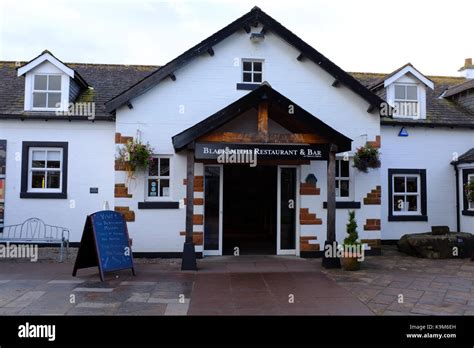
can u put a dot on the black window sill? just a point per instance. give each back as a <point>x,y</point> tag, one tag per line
<point>468,212</point>
<point>407,218</point>
<point>344,205</point>
<point>158,205</point>
<point>247,86</point>
<point>59,195</point>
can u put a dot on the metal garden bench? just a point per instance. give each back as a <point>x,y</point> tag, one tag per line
<point>34,230</point>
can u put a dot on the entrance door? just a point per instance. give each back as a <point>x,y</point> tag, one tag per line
<point>213,190</point>
<point>3,166</point>
<point>287,210</point>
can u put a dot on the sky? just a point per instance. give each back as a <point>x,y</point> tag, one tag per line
<point>360,35</point>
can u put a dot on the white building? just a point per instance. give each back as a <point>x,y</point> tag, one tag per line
<point>252,85</point>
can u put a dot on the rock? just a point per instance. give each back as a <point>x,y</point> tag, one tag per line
<point>431,246</point>
<point>439,230</point>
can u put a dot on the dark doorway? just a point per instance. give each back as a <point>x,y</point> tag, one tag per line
<point>250,209</point>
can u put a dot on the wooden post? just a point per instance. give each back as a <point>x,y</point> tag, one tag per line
<point>263,118</point>
<point>331,262</point>
<point>188,262</point>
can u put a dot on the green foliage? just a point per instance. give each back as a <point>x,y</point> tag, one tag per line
<point>351,227</point>
<point>469,191</point>
<point>367,157</point>
<point>135,156</point>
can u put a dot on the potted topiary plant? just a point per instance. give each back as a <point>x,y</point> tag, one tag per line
<point>352,248</point>
<point>367,157</point>
<point>135,156</point>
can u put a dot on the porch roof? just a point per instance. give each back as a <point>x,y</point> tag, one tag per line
<point>300,118</point>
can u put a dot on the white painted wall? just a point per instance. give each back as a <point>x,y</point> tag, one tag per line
<point>425,148</point>
<point>207,85</point>
<point>90,164</point>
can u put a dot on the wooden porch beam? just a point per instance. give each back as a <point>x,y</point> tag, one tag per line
<point>188,262</point>
<point>332,261</point>
<point>231,137</point>
<point>263,118</point>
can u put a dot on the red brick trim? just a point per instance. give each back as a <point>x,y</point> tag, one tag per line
<point>127,213</point>
<point>309,189</point>
<point>198,237</point>
<point>119,139</point>
<point>198,219</point>
<point>374,197</point>
<point>307,218</point>
<point>196,201</point>
<point>121,191</point>
<point>377,143</point>
<point>305,246</point>
<point>372,225</point>
<point>198,183</point>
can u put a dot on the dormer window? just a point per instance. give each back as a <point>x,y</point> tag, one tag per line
<point>406,100</point>
<point>46,91</point>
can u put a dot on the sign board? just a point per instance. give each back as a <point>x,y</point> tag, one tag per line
<point>105,244</point>
<point>215,151</point>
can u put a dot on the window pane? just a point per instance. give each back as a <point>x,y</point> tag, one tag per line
<point>398,203</point>
<point>164,167</point>
<point>164,188</point>
<point>153,167</point>
<point>152,187</point>
<point>257,77</point>
<point>344,188</point>
<point>247,77</point>
<point>412,184</point>
<point>39,100</point>
<point>345,169</point>
<point>54,160</point>
<point>247,66</point>
<point>338,164</point>
<point>400,92</point>
<point>412,93</point>
<point>53,179</point>
<point>54,99</point>
<point>38,159</point>
<point>38,179</point>
<point>54,83</point>
<point>399,184</point>
<point>40,82</point>
<point>257,66</point>
<point>411,203</point>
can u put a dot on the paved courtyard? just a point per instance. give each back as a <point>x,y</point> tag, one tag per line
<point>247,285</point>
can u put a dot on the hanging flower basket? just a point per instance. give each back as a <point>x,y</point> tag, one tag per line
<point>367,157</point>
<point>469,191</point>
<point>135,156</point>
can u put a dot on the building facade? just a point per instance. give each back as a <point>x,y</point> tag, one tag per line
<point>252,86</point>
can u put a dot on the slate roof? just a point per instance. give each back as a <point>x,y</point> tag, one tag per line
<point>464,86</point>
<point>439,111</point>
<point>106,79</point>
<point>467,157</point>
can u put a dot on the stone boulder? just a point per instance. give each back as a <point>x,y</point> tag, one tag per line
<point>437,246</point>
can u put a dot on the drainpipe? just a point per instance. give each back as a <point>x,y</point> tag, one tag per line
<point>458,218</point>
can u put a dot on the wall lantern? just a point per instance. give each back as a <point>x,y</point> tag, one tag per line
<point>257,37</point>
<point>311,179</point>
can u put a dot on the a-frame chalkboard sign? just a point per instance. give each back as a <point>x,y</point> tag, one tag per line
<point>105,244</point>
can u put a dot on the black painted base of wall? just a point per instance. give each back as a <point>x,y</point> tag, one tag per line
<point>162,255</point>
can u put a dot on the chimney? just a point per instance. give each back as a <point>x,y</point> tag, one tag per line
<point>467,70</point>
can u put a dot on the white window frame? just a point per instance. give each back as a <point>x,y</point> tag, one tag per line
<point>47,91</point>
<point>252,71</point>
<point>160,177</point>
<point>350,178</point>
<point>31,169</point>
<point>470,205</point>
<point>405,193</point>
<point>401,101</point>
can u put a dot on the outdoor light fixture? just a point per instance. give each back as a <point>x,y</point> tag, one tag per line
<point>311,179</point>
<point>257,37</point>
